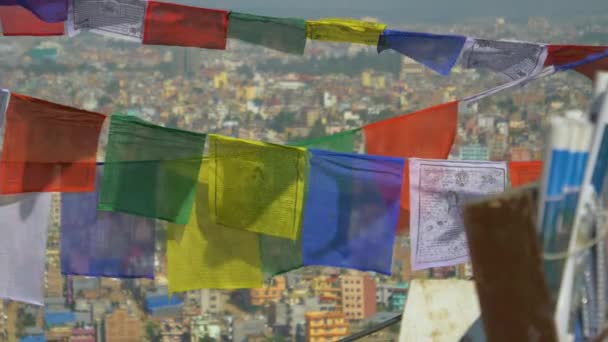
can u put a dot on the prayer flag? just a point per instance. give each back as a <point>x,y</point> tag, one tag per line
<point>428,133</point>
<point>439,191</point>
<point>436,51</point>
<point>24,220</point>
<point>559,55</point>
<point>150,170</point>
<point>104,244</point>
<point>179,25</point>
<point>344,30</point>
<point>50,11</point>
<point>281,34</point>
<point>204,255</point>
<point>18,21</point>
<point>352,209</point>
<point>48,147</point>
<point>339,142</point>
<point>525,172</point>
<point>264,181</point>
<point>512,59</point>
<point>279,255</point>
<point>122,19</point>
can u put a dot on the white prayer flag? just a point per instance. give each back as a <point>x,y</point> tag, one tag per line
<point>115,18</point>
<point>439,189</point>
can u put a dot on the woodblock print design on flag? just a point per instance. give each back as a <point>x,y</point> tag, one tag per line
<point>339,142</point>
<point>525,172</point>
<point>427,133</point>
<point>104,244</point>
<point>116,18</point>
<point>264,181</point>
<point>565,54</point>
<point>204,255</point>
<point>344,30</point>
<point>24,220</point>
<point>49,11</point>
<point>282,34</point>
<point>178,25</point>
<point>437,52</point>
<point>512,59</point>
<point>150,170</point>
<point>439,190</point>
<point>48,147</point>
<point>352,211</point>
<point>18,21</point>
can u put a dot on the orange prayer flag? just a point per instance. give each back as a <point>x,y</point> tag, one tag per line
<point>18,21</point>
<point>48,147</point>
<point>173,24</point>
<point>564,54</point>
<point>525,172</point>
<point>428,133</point>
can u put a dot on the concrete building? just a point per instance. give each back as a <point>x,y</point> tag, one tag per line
<point>473,152</point>
<point>212,302</point>
<point>325,326</point>
<point>358,296</point>
<point>271,293</point>
<point>122,326</point>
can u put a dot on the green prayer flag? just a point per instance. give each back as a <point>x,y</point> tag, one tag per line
<point>282,34</point>
<point>150,170</point>
<point>279,255</point>
<point>339,142</point>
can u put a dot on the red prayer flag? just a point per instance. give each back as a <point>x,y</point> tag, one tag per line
<point>48,147</point>
<point>525,172</point>
<point>564,54</point>
<point>172,24</point>
<point>428,133</point>
<point>18,21</point>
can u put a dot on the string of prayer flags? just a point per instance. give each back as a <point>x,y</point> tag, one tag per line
<point>48,147</point>
<point>511,59</point>
<point>345,30</point>
<point>150,170</point>
<point>436,51</point>
<point>279,255</point>
<point>439,190</point>
<point>50,11</point>
<point>565,54</point>
<point>264,181</point>
<point>24,220</point>
<point>339,142</point>
<point>118,18</point>
<point>104,244</point>
<point>204,255</point>
<point>525,172</point>
<point>428,133</point>
<point>352,210</point>
<point>179,25</point>
<point>282,34</point>
<point>18,21</point>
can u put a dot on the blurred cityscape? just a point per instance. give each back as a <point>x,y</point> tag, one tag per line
<point>256,93</point>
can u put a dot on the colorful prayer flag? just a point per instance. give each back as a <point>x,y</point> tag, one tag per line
<point>338,142</point>
<point>559,55</point>
<point>264,181</point>
<point>24,220</point>
<point>179,25</point>
<point>150,170</point>
<point>279,255</point>
<point>204,255</point>
<point>48,147</point>
<point>18,21</point>
<point>525,172</point>
<point>436,51</point>
<point>344,30</point>
<point>281,34</point>
<point>104,244</point>
<point>122,19</point>
<point>352,209</point>
<point>427,133</point>
<point>50,11</point>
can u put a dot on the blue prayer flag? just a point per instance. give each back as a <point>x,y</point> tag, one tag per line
<point>436,51</point>
<point>99,243</point>
<point>352,210</point>
<point>50,11</point>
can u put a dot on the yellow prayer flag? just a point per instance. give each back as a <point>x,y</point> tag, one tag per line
<point>203,255</point>
<point>256,186</point>
<point>344,30</point>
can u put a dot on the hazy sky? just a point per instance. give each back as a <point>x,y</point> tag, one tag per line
<point>414,10</point>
